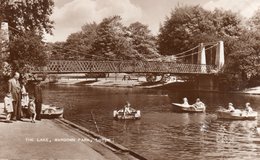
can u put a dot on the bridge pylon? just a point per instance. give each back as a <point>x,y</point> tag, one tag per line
<point>219,55</point>
<point>220,58</point>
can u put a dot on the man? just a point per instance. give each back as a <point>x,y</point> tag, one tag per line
<point>38,99</point>
<point>14,88</point>
<point>198,103</point>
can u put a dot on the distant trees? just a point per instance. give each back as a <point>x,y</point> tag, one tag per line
<point>143,42</point>
<point>188,26</point>
<point>110,40</point>
<point>79,45</point>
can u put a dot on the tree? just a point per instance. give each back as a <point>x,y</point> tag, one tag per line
<point>79,45</point>
<point>112,39</point>
<point>28,20</point>
<point>28,50</point>
<point>190,25</point>
<point>143,42</point>
<point>56,50</point>
<point>28,15</point>
<point>254,22</point>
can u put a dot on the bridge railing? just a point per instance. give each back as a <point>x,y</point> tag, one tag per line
<point>60,66</point>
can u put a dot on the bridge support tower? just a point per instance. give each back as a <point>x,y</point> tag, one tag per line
<point>210,82</point>
<point>219,56</point>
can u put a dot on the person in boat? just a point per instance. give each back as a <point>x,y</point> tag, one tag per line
<point>185,101</point>
<point>198,103</point>
<point>248,107</point>
<point>230,107</point>
<point>128,109</point>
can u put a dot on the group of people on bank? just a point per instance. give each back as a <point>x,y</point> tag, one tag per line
<point>18,103</point>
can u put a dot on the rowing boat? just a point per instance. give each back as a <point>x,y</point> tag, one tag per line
<point>188,108</point>
<point>118,115</point>
<point>236,115</point>
<point>51,111</point>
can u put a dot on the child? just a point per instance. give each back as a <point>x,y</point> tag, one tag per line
<point>8,104</point>
<point>31,109</point>
<point>25,103</point>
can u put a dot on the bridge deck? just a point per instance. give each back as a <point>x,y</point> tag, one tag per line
<point>55,66</point>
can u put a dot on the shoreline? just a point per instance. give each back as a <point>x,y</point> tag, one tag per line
<point>112,82</point>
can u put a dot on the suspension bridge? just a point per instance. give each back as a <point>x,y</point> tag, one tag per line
<point>205,58</point>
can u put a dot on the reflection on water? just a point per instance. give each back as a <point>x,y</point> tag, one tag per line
<point>161,133</point>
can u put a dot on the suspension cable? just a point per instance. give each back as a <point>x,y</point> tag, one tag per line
<point>179,57</point>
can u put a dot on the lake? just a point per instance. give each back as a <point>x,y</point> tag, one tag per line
<point>162,133</point>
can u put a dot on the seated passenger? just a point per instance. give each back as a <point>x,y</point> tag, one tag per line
<point>127,108</point>
<point>198,103</point>
<point>248,107</point>
<point>185,101</point>
<point>230,107</point>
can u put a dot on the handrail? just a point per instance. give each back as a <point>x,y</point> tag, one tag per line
<point>68,66</point>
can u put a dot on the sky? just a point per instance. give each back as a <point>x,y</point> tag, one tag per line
<point>70,15</point>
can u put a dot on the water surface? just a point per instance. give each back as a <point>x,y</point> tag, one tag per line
<point>162,133</point>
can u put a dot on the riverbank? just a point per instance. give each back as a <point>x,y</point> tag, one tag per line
<point>253,90</point>
<point>115,80</point>
<point>119,80</point>
<point>57,139</point>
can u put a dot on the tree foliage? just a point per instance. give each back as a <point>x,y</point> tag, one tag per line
<point>28,15</point>
<point>28,49</point>
<point>190,25</point>
<point>143,42</point>
<point>110,40</point>
<point>28,21</point>
<point>79,45</point>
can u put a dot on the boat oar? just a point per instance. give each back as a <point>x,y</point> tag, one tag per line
<point>92,115</point>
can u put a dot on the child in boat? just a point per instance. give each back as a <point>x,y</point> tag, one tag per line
<point>8,104</point>
<point>128,109</point>
<point>230,107</point>
<point>31,109</point>
<point>248,107</point>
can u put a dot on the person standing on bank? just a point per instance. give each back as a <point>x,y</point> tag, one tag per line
<point>38,99</point>
<point>14,88</point>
